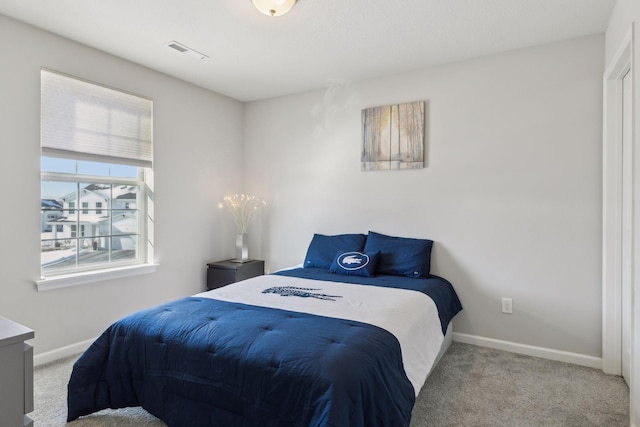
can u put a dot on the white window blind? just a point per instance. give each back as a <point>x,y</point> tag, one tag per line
<point>85,121</point>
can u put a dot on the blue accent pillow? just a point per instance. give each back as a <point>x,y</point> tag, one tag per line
<point>400,256</point>
<point>355,263</point>
<point>322,249</point>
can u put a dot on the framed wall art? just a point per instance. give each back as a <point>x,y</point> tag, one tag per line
<point>393,137</point>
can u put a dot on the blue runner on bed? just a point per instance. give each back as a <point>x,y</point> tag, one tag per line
<point>204,362</point>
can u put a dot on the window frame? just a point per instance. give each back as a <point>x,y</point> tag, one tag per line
<point>118,143</point>
<point>143,216</point>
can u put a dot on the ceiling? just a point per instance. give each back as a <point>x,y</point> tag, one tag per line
<point>318,44</point>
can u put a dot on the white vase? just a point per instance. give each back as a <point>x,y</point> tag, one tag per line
<point>242,250</point>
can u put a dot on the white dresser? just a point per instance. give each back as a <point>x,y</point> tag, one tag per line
<point>16,374</point>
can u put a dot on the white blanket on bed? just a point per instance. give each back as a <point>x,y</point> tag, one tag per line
<point>411,316</point>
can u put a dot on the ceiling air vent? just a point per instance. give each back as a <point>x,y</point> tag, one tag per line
<point>184,49</point>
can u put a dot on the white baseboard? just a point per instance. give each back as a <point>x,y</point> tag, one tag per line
<point>530,350</point>
<point>61,353</point>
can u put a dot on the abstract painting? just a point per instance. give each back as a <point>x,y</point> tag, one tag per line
<point>393,137</point>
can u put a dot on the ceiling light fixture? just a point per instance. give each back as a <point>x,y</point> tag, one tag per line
<point>274,7</point>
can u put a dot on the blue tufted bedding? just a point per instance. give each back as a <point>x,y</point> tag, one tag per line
<point>227,358</point>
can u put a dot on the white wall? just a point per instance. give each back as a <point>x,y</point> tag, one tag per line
<point>198,159</point>
<point>626,13</point>
<point>511,193</point>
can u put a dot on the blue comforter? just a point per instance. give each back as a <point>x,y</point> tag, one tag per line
<point>204,362</point>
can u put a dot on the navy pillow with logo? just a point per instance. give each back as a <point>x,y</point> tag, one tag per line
<point>355,263</point>
<point>401,256</point>
<point>322,249</point>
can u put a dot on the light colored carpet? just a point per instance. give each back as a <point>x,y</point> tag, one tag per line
<point>471,386</point>
<point>479,386</point>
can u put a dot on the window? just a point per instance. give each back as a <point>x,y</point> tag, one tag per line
<point>96,152</point>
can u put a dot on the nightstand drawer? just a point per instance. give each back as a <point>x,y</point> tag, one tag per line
<point>222,273</point>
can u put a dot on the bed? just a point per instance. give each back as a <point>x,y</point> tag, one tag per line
<point>308,346</point>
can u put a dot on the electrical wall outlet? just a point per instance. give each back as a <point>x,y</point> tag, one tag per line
<point>507,305</point>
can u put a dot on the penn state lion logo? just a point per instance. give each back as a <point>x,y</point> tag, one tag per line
<point>353,260</point>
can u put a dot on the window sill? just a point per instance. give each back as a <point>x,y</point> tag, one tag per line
<point>64,281</point>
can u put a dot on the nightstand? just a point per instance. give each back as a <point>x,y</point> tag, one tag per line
<point>221,273</point>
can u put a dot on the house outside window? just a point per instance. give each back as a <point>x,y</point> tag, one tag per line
<point>94,161</point>
<point>51,210</point>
